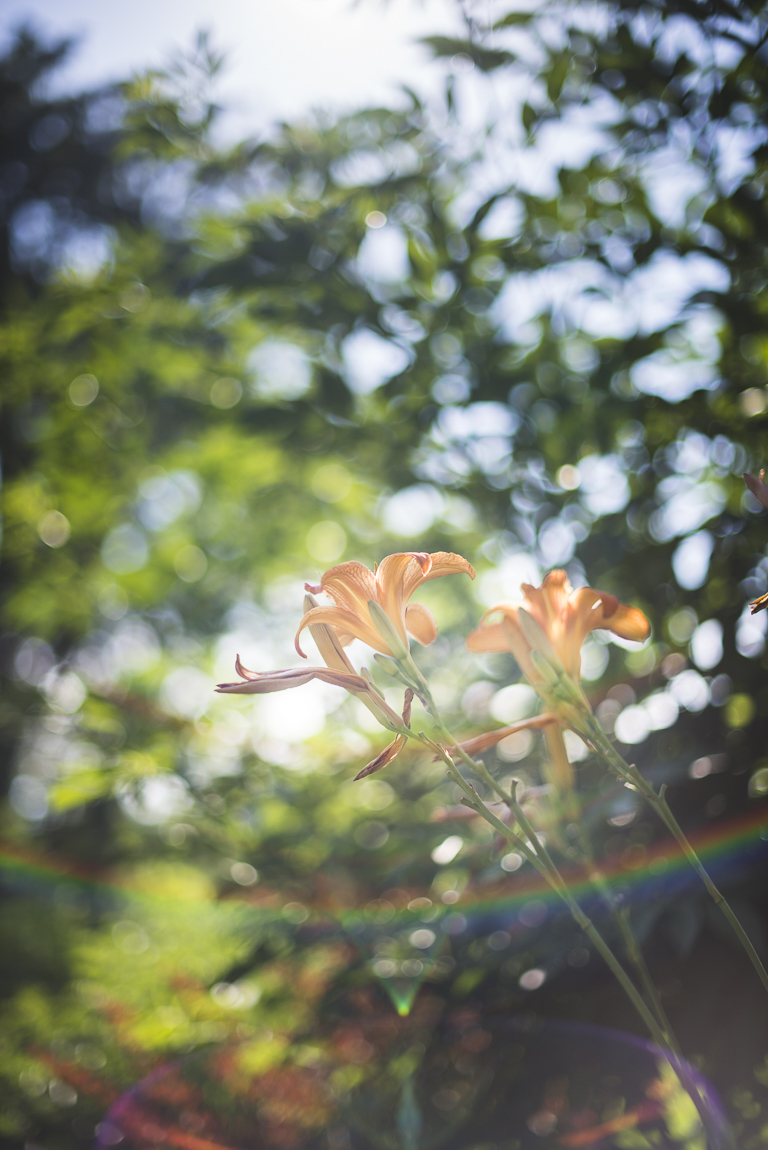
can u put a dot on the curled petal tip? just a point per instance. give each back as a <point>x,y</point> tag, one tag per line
<point>313,588</point>
<point>242,671</point>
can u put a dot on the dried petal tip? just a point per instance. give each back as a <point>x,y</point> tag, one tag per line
<point>382,759</point>
<point>243,672</point>
<point>758,487</point>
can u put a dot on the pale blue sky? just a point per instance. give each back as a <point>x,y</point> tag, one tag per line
<point>284,56</point>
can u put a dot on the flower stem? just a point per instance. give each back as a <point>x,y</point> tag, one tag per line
<point>632,776</point>
<point>620,915</point>
<point>538,855</point>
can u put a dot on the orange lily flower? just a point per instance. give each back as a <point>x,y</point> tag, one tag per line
<point>338,671</point>
<point>374,605</point>
<point>554,620</point>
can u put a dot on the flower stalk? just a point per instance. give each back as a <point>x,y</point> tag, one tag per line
<point>631,777</point>
<point>533,849</point>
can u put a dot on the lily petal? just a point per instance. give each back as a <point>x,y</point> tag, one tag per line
<point>381,760</point>
<point>518,645</point>
<point>627,622</point>
<point>491,738</point>
<point>360,626</point>
<point>488,636</point>
<point>350,585</point>
<point>446,563</point>
<point>554,620</point>
<point>327,640</point>
<point>269,681</point>
<point>397,578</point>
<point>420,624</point>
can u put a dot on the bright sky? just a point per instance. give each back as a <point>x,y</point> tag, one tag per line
<point>284,56</point>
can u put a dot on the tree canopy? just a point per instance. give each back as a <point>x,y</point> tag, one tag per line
<point>525,323</point>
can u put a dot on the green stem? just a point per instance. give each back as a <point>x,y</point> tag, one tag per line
<point>564,781</point>
<point>538,855</point>
<point>632,776</point>
<point>620,916</point>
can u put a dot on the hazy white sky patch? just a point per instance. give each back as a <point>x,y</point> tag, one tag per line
<point>283,59</point>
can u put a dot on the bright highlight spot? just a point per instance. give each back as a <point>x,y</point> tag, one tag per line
<point>422,938</point>
<point>53,529</point>
<point>243,873</point>
<point>707,644</point>
<point>568,477</point>
<point>326,541</point>
<point>375,220</point>
<point>124,550</point>
<point>226,392</point>
<point>532,979</point>
<point>511,704</point>
<point>83,390</point>
<point>190,564</point>
<point>447,850</point>
<point>331,483</point>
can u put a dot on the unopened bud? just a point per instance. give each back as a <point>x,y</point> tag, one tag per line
<point>386,629</point>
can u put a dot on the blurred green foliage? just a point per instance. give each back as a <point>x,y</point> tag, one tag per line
<point>224,369</point>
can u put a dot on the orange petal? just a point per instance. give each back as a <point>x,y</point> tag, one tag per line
<point>397,577</point>
<point>490,738</point>
<point>350,585</point>
<point>345,621</point>
<point>420,623</point>
<point>488,637</point>
<point>628,622</point>
<point>583,613</point>
<point>329,643</point>
<point>447,563</point>
<point>381,760</point>
<point>549,602</point>
<point>520,647</point>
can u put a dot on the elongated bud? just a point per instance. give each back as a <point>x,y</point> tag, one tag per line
<point>387,664</point>
<point>386,629</point>
<point>549,673</point>
<point>366,674</point>
<point>536,637</point>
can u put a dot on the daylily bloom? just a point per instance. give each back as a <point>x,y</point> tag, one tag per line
<point>554,620</point>
<point>374,605</point>
<point>338,671</point>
